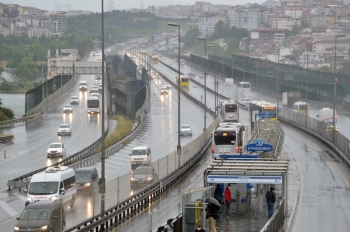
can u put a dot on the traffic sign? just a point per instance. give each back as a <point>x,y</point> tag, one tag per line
<point>266,114</point>
<point>244,179</point>
<point>259,145</point>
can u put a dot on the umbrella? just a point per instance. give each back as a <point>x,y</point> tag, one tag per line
<point>212,201</point>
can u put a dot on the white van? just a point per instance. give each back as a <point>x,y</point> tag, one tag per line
<point>140,155</point>
<point>326,115</point>
<point>83,86</point>
<point>52,184</point>
<point>229,81</point>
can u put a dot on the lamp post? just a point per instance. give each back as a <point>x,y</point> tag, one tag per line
<point>278,80</point>
<point>335,81</point>
<point>178,91</point>
<point>307,82</point>
<point>205,80</point>
<point>215,79</point>
<point>103,155</point>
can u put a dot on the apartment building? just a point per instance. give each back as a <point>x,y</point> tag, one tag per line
<point>294,12</point>
<point>267,34</point>
<point>285,22</point>
<point>248,19</point>
<point>207,23</point>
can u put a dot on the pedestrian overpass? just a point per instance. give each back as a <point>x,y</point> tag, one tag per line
<point>63,66</point>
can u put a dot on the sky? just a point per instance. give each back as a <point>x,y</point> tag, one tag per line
<point>95,5</point>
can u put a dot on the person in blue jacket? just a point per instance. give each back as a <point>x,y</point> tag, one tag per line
<point>218,195</point>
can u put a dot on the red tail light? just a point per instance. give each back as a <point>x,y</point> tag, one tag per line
<point>212,149</point>
<point>237,149</point>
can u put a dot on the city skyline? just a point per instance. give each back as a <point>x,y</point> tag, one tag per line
<point>95,6</point>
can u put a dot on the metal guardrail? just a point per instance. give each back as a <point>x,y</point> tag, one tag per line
<point>19,121</point>
<point>277,219</point>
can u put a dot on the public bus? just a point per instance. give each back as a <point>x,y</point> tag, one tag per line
<point>244,88</point>
<point>227,140</point>
<point>93,105</point>
<point>184,81</point>
<point>301,107</point>
<point>262,107</point>
<point>155,59</point>
<point>229,110</point>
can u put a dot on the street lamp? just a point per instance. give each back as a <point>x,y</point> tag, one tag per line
<point>278,80</point>
<point>335,80</point>
<point>307,82</point>
<point>178,91</point>
<point>215,79</point>
<point>205,80</point>
<point>103,154</point>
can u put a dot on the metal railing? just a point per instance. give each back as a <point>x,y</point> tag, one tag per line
<point>20,121</point>
<point>277,219</point>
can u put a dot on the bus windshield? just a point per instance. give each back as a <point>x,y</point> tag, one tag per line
<point>302,107</point>
<point>93,103</point>
<point>231,108</point>
<point>184,79</point>
<point>246,85</point>
<point>225,140</point>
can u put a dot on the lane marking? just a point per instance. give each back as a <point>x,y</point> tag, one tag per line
<point>11,171</point>
<point>8,209</point>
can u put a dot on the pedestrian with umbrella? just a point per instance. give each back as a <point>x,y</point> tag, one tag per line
<point>212,212</point>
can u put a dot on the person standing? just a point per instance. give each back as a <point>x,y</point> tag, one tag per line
<point>199,228</point>
<point>218,195</point>
<point>228,199</point>
<point>270,199</point>
<point>211,215</point>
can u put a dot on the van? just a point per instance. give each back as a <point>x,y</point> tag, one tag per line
<point>83,86</point>
<point>229,81</point>
<point>42,216</point>
<point>54,183</point>
<point>140,155</point>
<point>326,115</point>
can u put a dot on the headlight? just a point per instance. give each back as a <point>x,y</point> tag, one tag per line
<point>29,199</point>
<point>149,178</point>
<point>87,184</point>
<point>144,159</point>
<point>16,228</point>
<point>54,198</point>
<point>43,228</point>
<point>132,178</point>
<point>132,159</point>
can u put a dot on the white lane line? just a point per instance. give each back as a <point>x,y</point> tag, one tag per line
<point>11,171</point>
<point>8,209</point>
<point>20,196</point>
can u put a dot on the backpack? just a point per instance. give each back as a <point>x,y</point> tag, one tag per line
<point>215,211</point>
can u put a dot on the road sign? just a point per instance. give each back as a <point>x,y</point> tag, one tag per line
<point>266,114</point>
<point>245,179</point>
<point>259,145</point>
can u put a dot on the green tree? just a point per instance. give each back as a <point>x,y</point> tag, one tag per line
<point>232,45</point>
<point>325,69</point>
<point>190,37</point>
<point>27,68</point>
<point>17,57</point>
<point>346,67</point>
<point>8,87</point>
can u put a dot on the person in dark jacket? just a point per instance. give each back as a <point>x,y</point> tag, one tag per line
<point>211,216</point>
<point>218,194</point>
<point>270,199</point>
<point>199,228</point>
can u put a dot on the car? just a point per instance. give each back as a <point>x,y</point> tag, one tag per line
<point>95,94</point>
<point>330,128</point>
<point>86,177</point>
<point>245,102</point>
<point>143,175</point>
<point>98,77</point>
<point>93,89</point>
<point>64,129</point>
<point>56,149</point>
<point>98,57</point>
<point>167,86</point>
<point>67,108</point>
<point>164,90</point>
<point>74,100</point>
<point>93,53</point>
<point>185,130</point>
<point>98,82</point>
<point>42,216</point>
<point>83,86</point>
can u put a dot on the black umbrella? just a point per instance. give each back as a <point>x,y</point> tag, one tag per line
<point>212,201</point>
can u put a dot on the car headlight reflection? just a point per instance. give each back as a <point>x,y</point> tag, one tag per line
<point>87,184</point>
<point>16,228</point>
<point>149,178</point>
<point>44,227</point>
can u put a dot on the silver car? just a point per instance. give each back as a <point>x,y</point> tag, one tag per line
<point>185,130</point>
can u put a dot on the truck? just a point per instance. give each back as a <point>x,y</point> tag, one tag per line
<point>289,98</point>
<point>228,81</point>
<point>93,105</point>
<point>326,115</point>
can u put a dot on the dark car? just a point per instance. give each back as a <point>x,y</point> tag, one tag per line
<point>42,216</point>
<point>143,175</point>
<point>86,178</point>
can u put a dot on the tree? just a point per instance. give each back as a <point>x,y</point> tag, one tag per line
<point>191,37</point>
<point>220,30</point>
<point>16,58</point>
<point>27,68</point>
<point>232,45</point>
<point>346,67</point>
<point>325,69</point>
<point>1,68</point>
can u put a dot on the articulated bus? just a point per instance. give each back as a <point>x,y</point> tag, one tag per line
<point>184,81</point>
<point>155,59</point>
<point>227,140</point>
<point>301,107</point>
<point>229,110</point>
<point>262,107</point>
<point>244,88</point>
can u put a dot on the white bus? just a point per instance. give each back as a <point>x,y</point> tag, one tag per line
<point>244,88</point>
<point>229,110</point>
<point>227,140</point>
<point>93,105</point>
<point>301,107</point>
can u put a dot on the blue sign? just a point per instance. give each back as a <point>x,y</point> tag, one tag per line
<point>236,156</point>
<point>259,145</point>
<point>244,179</point>
<point>267,114</point>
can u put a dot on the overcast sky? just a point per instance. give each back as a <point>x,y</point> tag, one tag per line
<point>95,5</point>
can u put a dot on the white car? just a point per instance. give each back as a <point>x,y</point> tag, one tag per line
<point>98,77</point>
<point>64,129</point>
<point>95,94</point>
<point>164,90</point>
<point>74,100</point>
<point>98,57</point>
<point>167,86</point>
<point>93,53</point>
<point>56,149</point>
<point>185,130</point>
<point>67,109</point>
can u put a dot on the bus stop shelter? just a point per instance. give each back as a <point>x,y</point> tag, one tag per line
<point>253,171</point>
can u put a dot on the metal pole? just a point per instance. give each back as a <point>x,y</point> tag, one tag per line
<point>103,155</point>
<point>205,84</point>
<point>178,105</point>
<point>217,82</point>
<point>307,83</point>
<point>278,80</point>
